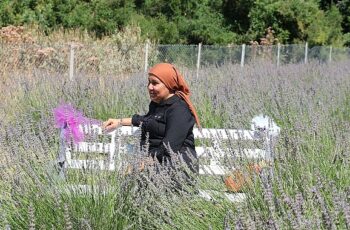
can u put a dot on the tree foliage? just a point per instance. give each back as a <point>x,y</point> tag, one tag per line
<point>296,20</point>
<point>320,22</point>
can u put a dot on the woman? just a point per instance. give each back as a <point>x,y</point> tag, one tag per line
<point>170,119</point>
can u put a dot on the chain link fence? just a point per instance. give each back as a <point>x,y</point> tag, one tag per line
<point>120,60</point>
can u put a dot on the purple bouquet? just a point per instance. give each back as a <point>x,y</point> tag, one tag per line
<point>70,119</point>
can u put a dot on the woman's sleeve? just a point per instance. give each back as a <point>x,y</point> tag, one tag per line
<point>136,120</point>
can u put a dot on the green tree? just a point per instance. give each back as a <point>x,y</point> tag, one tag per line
<point>344,8</point>
<point>188,21</point>
<point>6,13</point>
<point>208,26</point>
<point>236,14</point>
<point>100,17</point>
<point>327,30</point>
<point>295,21</point>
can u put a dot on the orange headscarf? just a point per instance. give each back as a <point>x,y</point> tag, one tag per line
<point>173,80</point>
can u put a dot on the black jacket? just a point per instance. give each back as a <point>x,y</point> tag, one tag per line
<point>169,123</point>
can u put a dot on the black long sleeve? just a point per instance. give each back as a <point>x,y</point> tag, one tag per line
<point>169,124</point>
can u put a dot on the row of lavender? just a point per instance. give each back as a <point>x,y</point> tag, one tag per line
<point>309,186</point>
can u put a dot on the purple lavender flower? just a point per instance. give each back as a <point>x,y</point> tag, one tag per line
<point>70,119</point>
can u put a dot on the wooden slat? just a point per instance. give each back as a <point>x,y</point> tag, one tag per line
<point>214,170</point>
<point>91,129</point>
<point>235,134</point>
<point>128,131</point>
<point>123,130</point>
<point>91,164</point>
<point>246,153</point>
<point>93,147</point>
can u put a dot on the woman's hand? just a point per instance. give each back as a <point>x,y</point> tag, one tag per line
<point>111,124</point>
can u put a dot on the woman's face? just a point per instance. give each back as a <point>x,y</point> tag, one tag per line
<point>157,90</point>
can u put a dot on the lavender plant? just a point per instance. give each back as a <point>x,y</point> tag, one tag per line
<point>306,187</point>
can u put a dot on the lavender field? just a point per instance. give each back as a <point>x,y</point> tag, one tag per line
<point>308,189</point>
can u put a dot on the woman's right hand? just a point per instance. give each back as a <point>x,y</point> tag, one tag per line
<point>111,124</point>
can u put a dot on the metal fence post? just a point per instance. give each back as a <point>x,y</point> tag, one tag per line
<point>278,53</point>
<point>243,55</point>
<point>146,55</point>
<point>71,63</point>
<point>199,58</point>
<point>330,54</point>
<point>306,49</point>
